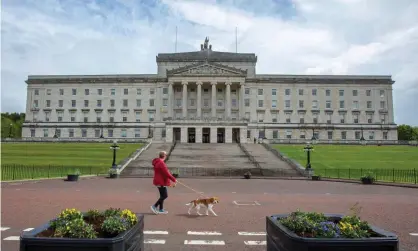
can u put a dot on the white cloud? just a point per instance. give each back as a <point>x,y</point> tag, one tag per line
<point>301,37</point>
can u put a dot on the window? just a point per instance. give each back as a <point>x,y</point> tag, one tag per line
<point>220,102</point>
<point>206,90</point>
<point>342,118</point>
<point>36,92</point>
<point>58,133</point>
<point>151,116</point>
<point>99,91</point>
<point>110,133</point>
<point>48,91</point>
<point>86,91</point>
<point>111,118</point>
<point>289,134</point>
<point>344,135</point>
<point>288,114</point>
<point>355,118</point>
<point>275,134</point>
<point>112,103</point>
<point>247,91</point>
<point>48,103</point>
<point>125,103</point>
<point>341,92</point>
<point>165,90</point>
<point>355,105</point>
<point>86,119</point>
<point>124,116</point>
<point>35,103</point>
<point>152,91</point>
<point>73,103</point>
<point>72,117</point>
<point>138,116</point>
<point>355,93</point>
<point>137,132</point>
<point>302,120</point>
<point>301,103</point>
<point>302,135</point>
<point>370,118</point>
<point>138,103</point>
<point>60,115</point>
<point>342,104</point>
<point>357,135</point>
<point>329,134</point>
<point>192,102</point>
<point>125,91</point>
<point>219,90</point>
<point>327,93</point>
<point>178,102</point>
<point>234,102</point>
<point>151,103</point>
<point>329,118</point>
<point>260,103</point>
<point>71,133</point>
<point>206,102</point>
<point>371,135</point>
<point>247,102</point>
<point>123,133</point>
<point>314,92</point>
<point>385,135</point>
<point>382,105</point>
<point>47,115</point>
<point>273,92</point>
<point>300,92</point>
<point>74,91</point>
<point>287,92</point>
<point>382,93</point>
<point>45,132</point>
<point>97,133</point>
<point>328,104</point>
<point>368,93</point>
<point>138,91</point>
<point>192,90</point>
<point>98,119</point>
<point>315,104</point>
<point>260,91</point>
<point>83,133</point>
<point>248,134</point>
<point>287,103</point>
<point>369,104</point>
<point>99,103</point>
<point>60,103</point>
<point>86,103</point>
<point>165,102</point>
<point>274,103</point>
<point>112,92</point>
<point>315,119</point>
<point>61,91</point>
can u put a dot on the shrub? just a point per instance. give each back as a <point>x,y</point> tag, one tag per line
<point>114,225</point>
<point>94,214</point>
<point>112,212</point>
<point>76,228</point>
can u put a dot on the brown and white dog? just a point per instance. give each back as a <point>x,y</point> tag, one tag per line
<point>208,203</point>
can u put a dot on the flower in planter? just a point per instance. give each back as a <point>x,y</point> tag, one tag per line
<point>94,214</point>
<point>113,171</point>
<point>131,217</point>
<point>112,212</point>
<point>76,228</point>
<point>368,176</point>
<point>115,225</point>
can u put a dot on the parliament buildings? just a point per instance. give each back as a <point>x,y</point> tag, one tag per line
<point>208,96</point>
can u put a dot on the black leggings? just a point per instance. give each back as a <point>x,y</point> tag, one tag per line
<point>163,196</point>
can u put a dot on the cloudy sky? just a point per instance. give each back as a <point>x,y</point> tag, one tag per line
<point>289,37</point>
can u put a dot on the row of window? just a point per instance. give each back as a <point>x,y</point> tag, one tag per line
<point>97,133</point>
<point>315,104</point>
<point>330,135</point>
<point>260,91</point>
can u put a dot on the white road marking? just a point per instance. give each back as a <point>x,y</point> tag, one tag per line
<point>255,243</point>
<point>154,241</point>
<point>203,233</point>
<point>28,229</point>
<point>5,228</point>
<point>414,234</point>
<point>155,232</point>
<point>203,242</point>
<point>252,233</point>
<point>234,192</point>
<point>246,204</point>
<point>12,238</point>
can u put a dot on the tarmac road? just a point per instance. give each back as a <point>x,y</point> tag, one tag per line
<point>240,224</point>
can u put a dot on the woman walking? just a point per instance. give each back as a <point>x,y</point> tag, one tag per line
<point>162,178</point>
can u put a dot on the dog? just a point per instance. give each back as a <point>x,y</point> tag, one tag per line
<point>208,203</point>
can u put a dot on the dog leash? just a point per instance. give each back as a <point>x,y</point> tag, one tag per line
<point>200,193</point>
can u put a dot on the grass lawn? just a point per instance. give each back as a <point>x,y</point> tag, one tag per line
<point>389,163</point>
<point>56,159</point>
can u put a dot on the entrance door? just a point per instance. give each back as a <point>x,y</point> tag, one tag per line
<point>221,135</point>
<point>235,135</point>
<point>206,135</point>
<point>177,134</point>
<point>191,135</point>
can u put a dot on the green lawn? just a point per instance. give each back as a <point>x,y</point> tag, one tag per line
<point>42,160</point>
<point>388,163</point>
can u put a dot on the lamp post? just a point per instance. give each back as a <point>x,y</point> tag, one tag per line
<point>10,130</point>
<point>308,149</point>
<point>362,139</point>
<point>114,147</point>
<point>313,139</point>
<point>55,133</point>
<point>101,133</point>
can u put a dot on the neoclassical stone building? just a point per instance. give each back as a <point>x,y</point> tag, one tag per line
<point>208,96</point>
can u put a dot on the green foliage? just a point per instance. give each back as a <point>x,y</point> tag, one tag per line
<point>76,228</point>
<point>11,125</point>
<point>368,175</point>
<point>115,224</point>
<point>112,212</point>
<point>407,132</point>
<point>94,214</point>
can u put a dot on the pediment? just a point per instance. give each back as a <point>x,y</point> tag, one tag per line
<point>206,69</point>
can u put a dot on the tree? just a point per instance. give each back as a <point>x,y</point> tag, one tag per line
<point>406,132</point>
<point>11,125</point>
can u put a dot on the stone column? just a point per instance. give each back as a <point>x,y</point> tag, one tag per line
<point>199,100</point>
<point>184,105</point>
<point>241,101</point>
<point>213,99</point>
<point>228,100</point>
<point>170,99</point>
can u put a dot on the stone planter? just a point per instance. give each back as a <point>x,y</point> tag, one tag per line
<point>280,238</point>
<point>367,181</point>
<point>72,177</point>
<point>113,175</point>
<point>130,240</point>
<point>316,177</point>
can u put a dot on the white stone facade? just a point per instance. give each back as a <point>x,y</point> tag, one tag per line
<point>208,96</point>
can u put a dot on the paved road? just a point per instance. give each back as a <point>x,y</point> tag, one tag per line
<point>244,205</point>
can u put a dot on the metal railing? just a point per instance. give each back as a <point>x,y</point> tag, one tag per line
<point>292,163</point>
<point>251,158</point>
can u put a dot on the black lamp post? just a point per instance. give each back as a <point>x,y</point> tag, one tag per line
<point>313,139</point>
<point>308,148</point>
<point>362,139</point>
<point>10,130</point>
<point>101,133</point>
<point>149,131</point>
<point>114,147</point>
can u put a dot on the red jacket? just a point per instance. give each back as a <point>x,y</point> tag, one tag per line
<point>162,176</point>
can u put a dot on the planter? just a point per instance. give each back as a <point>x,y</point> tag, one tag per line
<point>72,177</point>
<point>247,176</point>
<point>132,240</point>
<point>367,180</point>
<point>315,177</point>
<point>280,238</point>
<point>113,175</point>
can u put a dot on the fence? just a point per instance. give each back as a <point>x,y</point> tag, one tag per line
<point>25,172</point>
